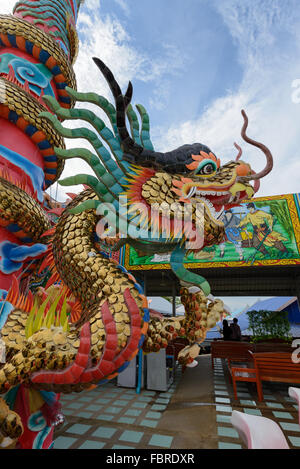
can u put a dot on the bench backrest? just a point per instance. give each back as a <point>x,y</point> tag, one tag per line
<point>272,347</point>
<point>231,349</point>
<point>276,365</point>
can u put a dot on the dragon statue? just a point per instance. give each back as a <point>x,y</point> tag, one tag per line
<point>89,318</point>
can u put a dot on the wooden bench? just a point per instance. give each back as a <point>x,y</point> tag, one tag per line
<point>230,350</point>
<point>239,351</point>
<point>267,366</point>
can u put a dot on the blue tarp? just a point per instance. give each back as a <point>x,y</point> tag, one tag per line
<point>271,304</point>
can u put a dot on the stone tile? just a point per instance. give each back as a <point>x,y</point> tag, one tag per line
<point>133,412</point>
<point>161,441</point>
<point>93,408</point>
<point>63,442</point>
<point>220,392</point>
<point>292,427</point>
<point>282,415</point>
<point>223,408</point>
<point>274,404</point>
<point>89,444</point>
<point>246,402</point>
<point>228,431</point>
<point>153,415</point>
<point>75,405</point>
<point>120,402</point>
<point>223,445</point>
<point>79,428</point>
<point>139,405</point>
<point>145,399</point>
<point>252,411</point>
<point>244,394</point>
<point>69,411</point>
<point>86,399</point>
<point>113,410</point>
<point>104,417</point>
<point>131,436</point>
<point>158,407</point>
<point>104,432</point>
<point>149,423</point>
<point>222,400</point>
<point>162,401</point>
<point>102,401</point>
<point>122,447</point>
<point>85,415</point>
<point>223,418</point>
<point>127,420</point>
<point>67,397</point>
<point>295,440</point>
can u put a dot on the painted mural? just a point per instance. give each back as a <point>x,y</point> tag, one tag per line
<point>263,231</point>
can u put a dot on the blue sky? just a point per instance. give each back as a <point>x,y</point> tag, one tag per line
<point>201,61</point>
<point>194,65</point>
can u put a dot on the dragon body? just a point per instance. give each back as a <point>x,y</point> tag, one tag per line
<point>91,318</point>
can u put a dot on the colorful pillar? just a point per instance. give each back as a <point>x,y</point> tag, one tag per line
<point>38,46</point>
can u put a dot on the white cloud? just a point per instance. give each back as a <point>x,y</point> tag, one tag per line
<point>267,36</point>
<point>7,6</point>
<point>105,37</point>
<point>124,6</point>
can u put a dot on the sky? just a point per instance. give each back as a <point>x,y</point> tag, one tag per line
<point>194,65</point>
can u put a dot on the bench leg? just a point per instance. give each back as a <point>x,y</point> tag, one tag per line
<point>259,390</point>
<point>234,387</point>
<point>229,365</point>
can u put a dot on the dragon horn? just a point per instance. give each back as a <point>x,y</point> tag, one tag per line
<point>122,103</point>
<point>239,153</point>
<point>262,147</point>
<point>133,152</point>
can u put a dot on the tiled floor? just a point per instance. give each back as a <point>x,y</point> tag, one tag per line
<point>112,417</point>
<point>277,405</point>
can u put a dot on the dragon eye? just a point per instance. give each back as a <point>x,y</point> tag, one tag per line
<point>206,168</point>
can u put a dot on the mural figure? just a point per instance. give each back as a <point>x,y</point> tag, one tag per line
<point>233,234</point>
<point>263,233</point>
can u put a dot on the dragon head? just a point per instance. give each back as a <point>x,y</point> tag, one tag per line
<point>167,184</point>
